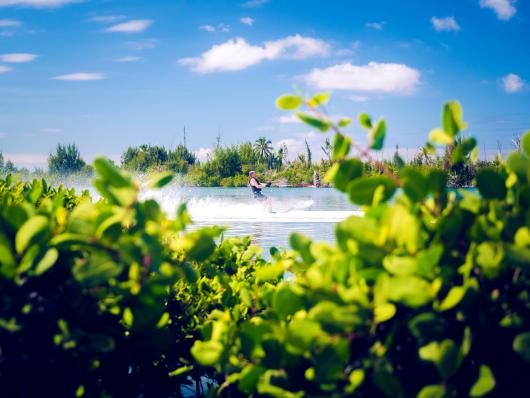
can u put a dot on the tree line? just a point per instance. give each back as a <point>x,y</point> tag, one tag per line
<point>229,165</point>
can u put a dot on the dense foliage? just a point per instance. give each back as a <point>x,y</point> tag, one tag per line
<point>65,160</point>
<point>426,295</point>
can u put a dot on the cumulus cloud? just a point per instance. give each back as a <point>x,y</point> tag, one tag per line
<point>247,21</point>
<point>37,3</point>
<point>134,26</point>
<point>80,76</point>
<point>18,58</point>
<point>512,83</point>
<point>128,59</point>
<point>5,69</point>
<point>446,24</point>
<point>107,18</point>
<point>254,3</point>
<point>9,23</point>
<point>504,9</point>
<point>375,25</point>
<point>237,54</point>
<point>373,77</point>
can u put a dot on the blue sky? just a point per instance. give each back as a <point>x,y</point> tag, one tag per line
<point>106,74</point>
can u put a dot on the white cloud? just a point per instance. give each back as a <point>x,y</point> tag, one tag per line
<point>446,24</point>
<point>207,28</point>
<point>296,144</point>
<point>254,3</point>
<point>503,8</point>
<point>128,59</point>
<point>52,130</point>
<point>358,98</point>
<point>17,58</point>
<point>238,54</point>
<point>290,119</point>
<point>134,26</point>
<point>9,23</point>
<point>374,77</point>
<point>80,76</point>
<point>247,21</point>
<point>37,3</point>
<point>375,25</point>
<point>107,18</point>
<point>202,154</point>
<point>140,45</point>
<point>512,83</point>
<point>4,69</point>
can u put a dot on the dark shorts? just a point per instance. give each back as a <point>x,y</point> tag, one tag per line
<point>259,196</point>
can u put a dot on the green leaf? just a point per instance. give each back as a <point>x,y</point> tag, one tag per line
<point>518,164</point>
<point>289,102</point>
<point>410,291</point>
<point>400,266</point>
<point>432,391</point>
<point>362,190</point>
<point>384,312</point>
<point>440,137</point>
<point>318,99</point>
<point>376,136</point>
<point>180,371</point>
<point>320,124</point>
<point>415,184</point>
<point>521,345</point>
<point>445,355</point>
<point>302,245</point>
<point>525,143</point>
<point>48,260</point>
<point>491,185</point>
<point>344,122</point>
<point>207,353</point>
<point>269,272</point>
<point>365,120</point>
<point>452,122</point>
<point>343,172</point>
<point>111,174</point>
<point>341,146</point>
<point>455,295</point>
<point>286,302</point>
<point>30,232</point>
<point>99,269</point>
<point>302,333</point>
<point>462,150</point>
<point>161,180</point>
<point>489,258</point>
<point>484,384</point>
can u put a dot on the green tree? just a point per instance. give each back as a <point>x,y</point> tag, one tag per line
<point>65,160</point>
<point>308,152</point>
<point>264,149</point>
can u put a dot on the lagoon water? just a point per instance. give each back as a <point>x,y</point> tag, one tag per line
<point>311,211</point>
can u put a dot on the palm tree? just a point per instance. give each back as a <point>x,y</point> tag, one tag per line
<point>263,148</point>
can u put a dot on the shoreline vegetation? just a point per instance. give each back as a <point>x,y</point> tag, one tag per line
<point>228,165</point>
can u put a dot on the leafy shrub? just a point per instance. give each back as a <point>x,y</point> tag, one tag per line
<point>427,296</point>
<point>86,289</point>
